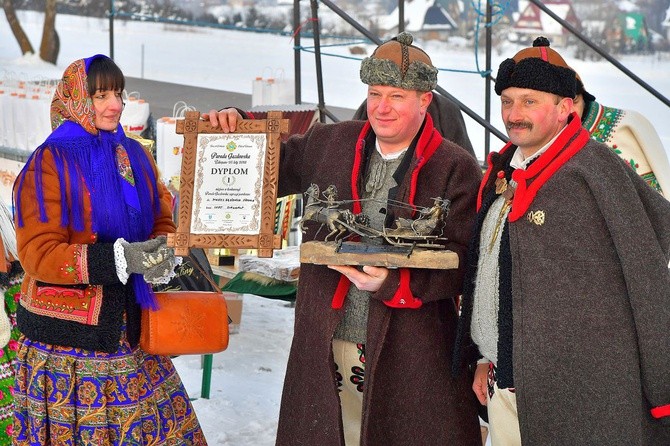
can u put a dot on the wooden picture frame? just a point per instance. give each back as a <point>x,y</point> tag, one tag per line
<point>228,186</point>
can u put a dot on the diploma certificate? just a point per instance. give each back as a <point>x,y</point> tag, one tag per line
<point>228,185</point>
<point>229,180</point>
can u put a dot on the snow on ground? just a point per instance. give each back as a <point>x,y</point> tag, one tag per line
<point>247,378</point>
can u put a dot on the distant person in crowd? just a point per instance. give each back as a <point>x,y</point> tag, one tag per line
<point>629,134</point>
<point>11,275</point>
<point>372,346</point>
<point>447,118</point>
<point>91,219</point>
<point>566,296</point>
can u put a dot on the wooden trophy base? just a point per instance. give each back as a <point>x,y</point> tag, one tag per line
<point>352,253</point>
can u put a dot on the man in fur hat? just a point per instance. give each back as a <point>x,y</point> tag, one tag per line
<point>566,297</point>
<point>372,347</point>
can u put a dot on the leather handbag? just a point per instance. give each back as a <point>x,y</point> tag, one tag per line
<point>186,323</point>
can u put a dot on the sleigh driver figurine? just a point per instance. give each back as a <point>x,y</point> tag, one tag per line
<point>429,221</point>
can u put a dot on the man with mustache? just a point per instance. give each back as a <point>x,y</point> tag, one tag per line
<point>565,300</point>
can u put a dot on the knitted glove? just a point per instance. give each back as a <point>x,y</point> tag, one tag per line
<point>152,258</point>
<point>162,273</point>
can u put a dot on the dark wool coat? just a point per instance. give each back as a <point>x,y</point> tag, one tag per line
<point>410,396</point>
<point>589,244</point>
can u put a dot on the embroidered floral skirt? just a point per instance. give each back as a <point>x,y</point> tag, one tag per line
<point>69,396</point>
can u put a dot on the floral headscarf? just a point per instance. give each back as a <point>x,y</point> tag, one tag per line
<point>71,101</point>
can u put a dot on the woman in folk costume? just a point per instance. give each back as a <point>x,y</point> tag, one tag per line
<point>11,275</point>
<point>91,220</point>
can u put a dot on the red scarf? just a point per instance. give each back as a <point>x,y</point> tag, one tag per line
<point>529,181</point>
<point>429,140</point>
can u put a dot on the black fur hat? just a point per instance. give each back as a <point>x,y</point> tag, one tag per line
<point>537,68</point>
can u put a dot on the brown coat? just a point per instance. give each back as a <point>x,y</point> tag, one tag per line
<point>409,394</point>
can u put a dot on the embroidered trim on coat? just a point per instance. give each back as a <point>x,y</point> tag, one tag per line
<point>601,121</point>
<point>78,267</point>
<point>73,304</point>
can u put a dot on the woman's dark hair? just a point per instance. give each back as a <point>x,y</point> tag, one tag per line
<point>104,74</point>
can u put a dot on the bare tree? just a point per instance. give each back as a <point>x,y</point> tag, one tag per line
<point>17,30</point>
<point>50,45</point>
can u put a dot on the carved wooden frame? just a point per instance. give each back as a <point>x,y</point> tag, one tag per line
<point>266,240</point>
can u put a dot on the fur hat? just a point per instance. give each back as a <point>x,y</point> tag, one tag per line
<point>398,63</point>
<point>538,68</point>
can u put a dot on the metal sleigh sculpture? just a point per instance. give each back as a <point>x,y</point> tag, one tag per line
<point>424,232</point>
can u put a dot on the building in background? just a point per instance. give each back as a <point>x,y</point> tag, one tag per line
<point>533,22</point>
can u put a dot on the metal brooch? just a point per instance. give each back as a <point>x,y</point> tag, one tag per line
<point>536,217</point>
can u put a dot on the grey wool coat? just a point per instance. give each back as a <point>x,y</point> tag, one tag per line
<point>409,394</point>
<point>589,344</point>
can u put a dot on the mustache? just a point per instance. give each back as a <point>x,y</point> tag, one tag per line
<point>518,125</point>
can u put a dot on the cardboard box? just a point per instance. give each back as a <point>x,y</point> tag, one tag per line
<point>218,260</point>
<point>221,257</point>
<point>234,303</point>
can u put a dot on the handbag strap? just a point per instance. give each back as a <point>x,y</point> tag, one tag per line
<point>207,276</point>
<point>209,279</point>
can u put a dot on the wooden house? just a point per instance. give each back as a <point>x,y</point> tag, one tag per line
<point>533,22</point>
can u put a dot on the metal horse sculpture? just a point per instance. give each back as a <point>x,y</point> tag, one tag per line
<point>423,232</point>
<point>326,212</point>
